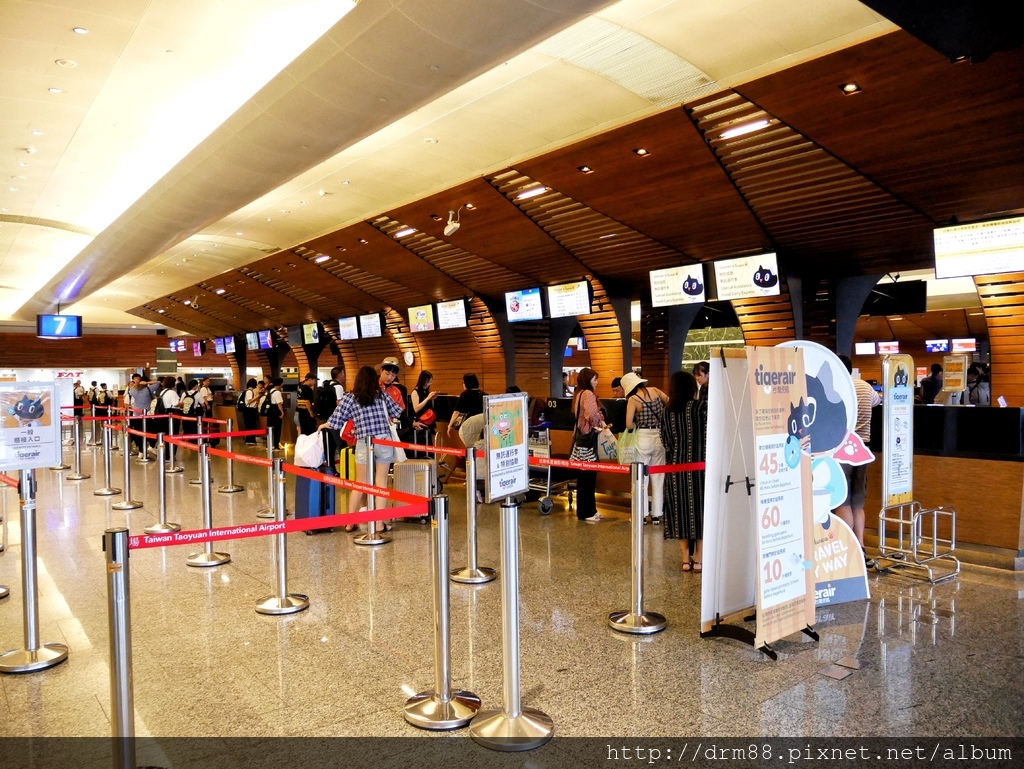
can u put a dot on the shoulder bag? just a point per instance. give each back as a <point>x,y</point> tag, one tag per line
<point>584,445</point>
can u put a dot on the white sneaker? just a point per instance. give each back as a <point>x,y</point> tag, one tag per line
<point>595,518</point>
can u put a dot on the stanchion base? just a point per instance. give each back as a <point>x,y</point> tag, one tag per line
<point>77,477</point>
<point>207,559</point>
<point>196,481</point>
<point>106,492</point>
<point>266,512</point>
<point>24,661</point>
<point>61,467</point>
<point>496,730</point>
<point>230,489</point>
<point>128,504</point>
<point>380,538</point>
<point>174,470</point>
<point>290,604</point>
<point>160,528</point>
<point>638,624</point>
<point>478,576</point>
<point>426,711</point>
<point>4,592</point>
<point>94,443</point>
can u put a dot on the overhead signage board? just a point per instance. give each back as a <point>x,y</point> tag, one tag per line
<point>369,325</point>
<point>58,326</point>
<point>451,314</point>
<point>747,277</point>
<point>954,373</point>
<point>421,318</point>
<point>980,248</point>
<point>677,285</point>
<point>348,328</point>
<point>569,299</point>
<point>505,446</point>
<point>523,305</point>
<point>30,424</point>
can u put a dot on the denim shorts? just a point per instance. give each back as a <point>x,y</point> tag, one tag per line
<point>380,453</point>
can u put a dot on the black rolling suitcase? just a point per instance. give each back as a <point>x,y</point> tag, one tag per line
<point>314,499</point>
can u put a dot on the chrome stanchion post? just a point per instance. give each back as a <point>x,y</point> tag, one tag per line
<point>231,487</point>
<point>372,536</point>
<point>512,727</point>
<point>93,441</point>
<point>161,485</point>
<point>198,480</point>
<point>62,465</point>
<point>119,615</point>
<point>636,620</point>
<point>77,474</point>
<point>441,708</point>
<point>111,415</point>
<point>471,574</point>
<point>144,452</point>
<point>172,467</point>
<point>268,511</point>
<point>284,602</point>
<point>34,656</point>
<point>127,503</point>
<point>4,590</point>
<point>107,490</point>
<point>207,557</point>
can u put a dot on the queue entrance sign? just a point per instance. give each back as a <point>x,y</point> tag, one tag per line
<point>29,425</point>
<point>505,446</point>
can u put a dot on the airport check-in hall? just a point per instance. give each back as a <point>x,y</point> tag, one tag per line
<point>647,372</point>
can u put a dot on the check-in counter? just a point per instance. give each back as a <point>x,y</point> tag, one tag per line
<point>969,458</point>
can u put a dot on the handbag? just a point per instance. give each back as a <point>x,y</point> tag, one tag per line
<point>607,451</point>
<point>627,447</point>
<point>584,445</point>
<point>427,417</point>
<point>456,423</point>
<point>348,432</point>
<point>399,452</point>
<point>309,450</point>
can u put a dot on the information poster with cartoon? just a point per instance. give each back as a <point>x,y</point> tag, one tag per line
<point>898,444</point>
<point>505,444</point>
<point>782,416</point>
<point>29,425</point>
<point>839,571</point>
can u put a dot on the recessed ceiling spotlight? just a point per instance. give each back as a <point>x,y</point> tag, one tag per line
<point>54,90</point>
<point>187,302</point>
<point>321,193</point>
<point>436,217</point>
<point>302,202</point>
<point>219,291</point>
<point>22,165</point>
<point>321,259</point>
<point>37,133</point>
<point>238,233</point>
<point>341,248</point>
<point>469,206</point>
<point>362,240</point>
<point>160,311</point>
<point>291,264</point>
<point>345,181</point>
<point>850,88</point>
<point>80,30</point>
<point>405,231</point>
<point>641,152</point>
<point>69,63</point>
<point>13,189</point>
<point>430,140</point>
<point>268,218</point>
<point>757,125</point>
<point>531,193</point>
<point>585,169</point>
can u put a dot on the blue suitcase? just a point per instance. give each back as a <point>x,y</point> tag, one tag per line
<point>314,499</point>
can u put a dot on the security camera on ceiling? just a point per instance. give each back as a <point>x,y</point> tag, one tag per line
<point>453,224</point>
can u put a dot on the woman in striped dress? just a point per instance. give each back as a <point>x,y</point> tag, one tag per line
<point>684,435</point>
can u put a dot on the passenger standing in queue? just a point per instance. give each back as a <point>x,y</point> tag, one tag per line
<point>305,398</point>
<point>275,414</point>
<point>422,407</point>
<point>645,412</point>
<point>684,434</point>
<point>371,410</point>
<point>250,410</point>
<point>701,373</point>
<point>587,410</point>
<point>470,402</point>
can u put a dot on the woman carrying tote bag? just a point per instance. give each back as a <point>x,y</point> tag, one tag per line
<point>589,422</point>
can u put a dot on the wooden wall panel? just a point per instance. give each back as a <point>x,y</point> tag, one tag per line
<point>767,321</point>
<point>533,357</point>
<point>654,362</point>
<point>26,350</point>
<point>1002,299</point>
<point>604,340</point>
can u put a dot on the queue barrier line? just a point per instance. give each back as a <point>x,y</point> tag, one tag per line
<point>381,492</point>
<point>204,436</point>
<point>245,458</point>
<point>572,464</point>
<point>151,436</point>
<point>685,467</point>
<point>451,451</point>
<point>264,529</point>
<point>8,480</point>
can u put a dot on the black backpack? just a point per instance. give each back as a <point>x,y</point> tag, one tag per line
<point>156,406</point>
<point>265,402</point>
<point>326,401</point>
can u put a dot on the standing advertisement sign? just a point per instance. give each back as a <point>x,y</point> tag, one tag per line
<point>954,373</point>
<point>29,425</point>
<point>898,443</point>
<point>505,446</point>
<point>782,414</point>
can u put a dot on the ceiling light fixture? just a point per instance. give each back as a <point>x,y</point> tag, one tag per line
<point>850,88</point>
<point>80,30</point>
<point>641,152</point>
<point>585,169</point>
<point>469,206</point>
<point>747,128</point>
<point>341,248</point>
<point>610,235</point>
<point>187,302</point>
<point>531,193</point>
<point>405,231</point>
<point>69,63</point>
<point>54,90</point>
<point>362,240</point>
<point>436,217</point>
<point>219,291</point>
<point>345,181</point>
<point>160,311</point>
<point>321,259</point>
<point>37,133</point>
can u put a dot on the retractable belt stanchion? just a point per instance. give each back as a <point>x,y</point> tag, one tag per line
<point>113,413</point>
<point>198,480</point>
<point>171,467</point>
<point>93,441</point>
<point>372,536</point>
<point>441,708</point>
<point>127,503</point>
<point>34,656</point>
<point>119,616</point>
<point>207,557</point>
<point>283,602</point>
<point>471,574</point>
<point>62,465</point>
<point>107,490</point>
<point>268,511</point>
<point>230,487</point>
<point>77,475</point>
<point>4,590</point>
<point>636,620</point>
<point>512,727</point>
<point>161,484</point>
<point>144,451</point>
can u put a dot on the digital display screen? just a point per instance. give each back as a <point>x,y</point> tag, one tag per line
<point>936,345</point>
<point>177,345</point>
<point>747,277</point>
<point>523,305</point>
<point>198,348</point>
<point>348,328</point>
<point>310,333</point>
<point>965,345</point>
<point>369,325</point>
<point>451,314</point>
<point>252,341</point>
<point>888,348</point>
<point>864,348</point>
<point>218,345</point>
<point>421,318</point>
<point>229,344</point>
<point>569,299</point>
<point>980,248</point>
<point>266,339</point>
<point>58,326</point>
<point>677,285</point>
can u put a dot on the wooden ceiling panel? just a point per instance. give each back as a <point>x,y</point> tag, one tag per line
<point>678,194</point>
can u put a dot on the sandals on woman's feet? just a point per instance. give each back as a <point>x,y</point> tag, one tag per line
<point>384,526</point>
<point>697,568</point>
<point>687,566</point>
<point>350,528</point>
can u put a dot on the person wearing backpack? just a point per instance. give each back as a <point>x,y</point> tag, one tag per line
<point>273,408</point>
<point>187,408</point>
<point>102,401</point>
<point>250,412</point>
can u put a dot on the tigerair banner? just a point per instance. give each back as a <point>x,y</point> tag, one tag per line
<point>898,440</point>
<point>839,572</point>
<point>782,417</point>
<point>29,425</point>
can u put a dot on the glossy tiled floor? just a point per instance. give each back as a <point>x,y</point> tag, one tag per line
<point>942,660</point>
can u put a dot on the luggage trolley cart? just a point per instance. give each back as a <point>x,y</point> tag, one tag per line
<point>540,446</point>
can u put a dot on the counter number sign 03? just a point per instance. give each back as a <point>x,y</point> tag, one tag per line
<point>58,326</point>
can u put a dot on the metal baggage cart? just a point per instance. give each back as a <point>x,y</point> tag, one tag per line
<point>539,445</point>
